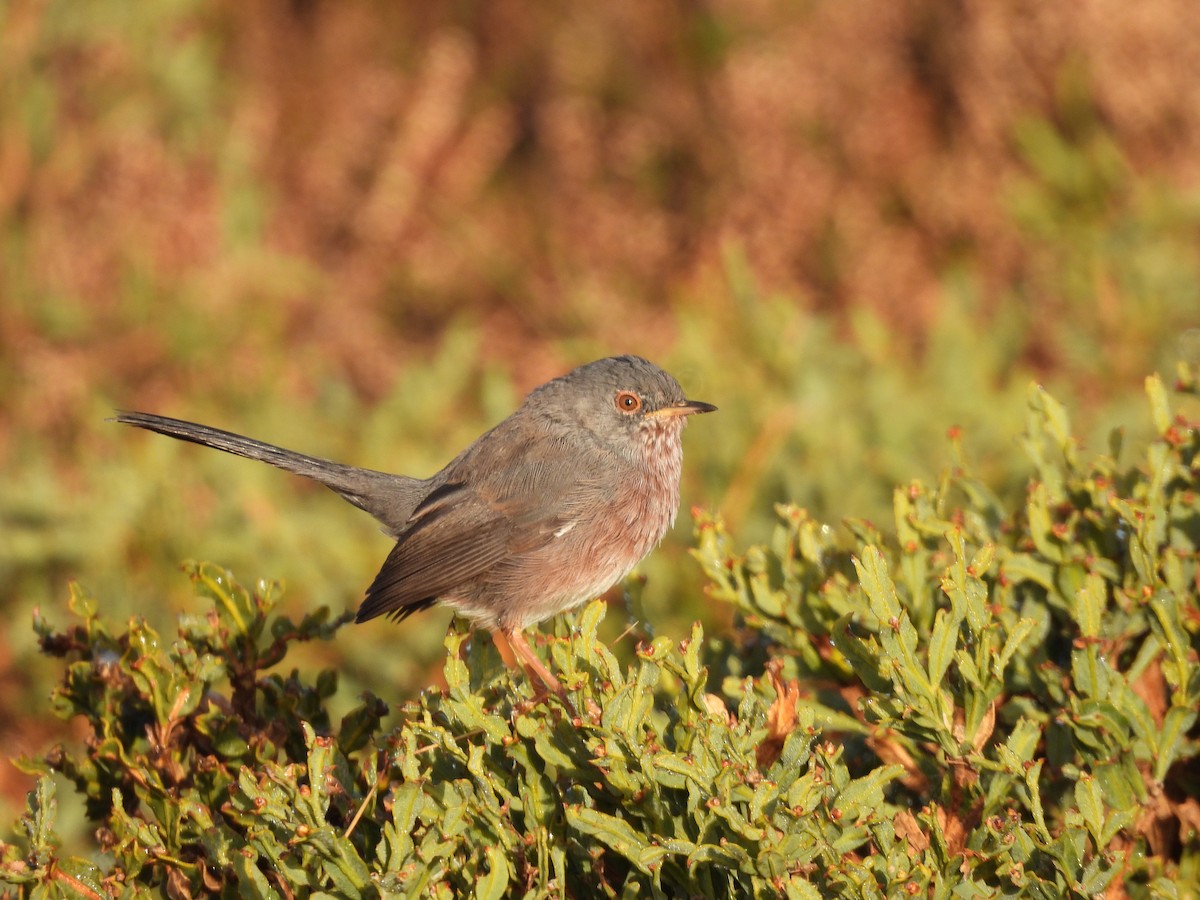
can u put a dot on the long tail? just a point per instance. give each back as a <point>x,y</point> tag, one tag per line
<point>389,498</point>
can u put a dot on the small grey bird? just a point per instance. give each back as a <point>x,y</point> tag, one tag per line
<point>547,510</point>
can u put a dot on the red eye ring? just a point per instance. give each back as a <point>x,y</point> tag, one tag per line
<point>628,401</point>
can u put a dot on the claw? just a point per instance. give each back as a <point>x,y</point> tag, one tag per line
<point>543,680</point>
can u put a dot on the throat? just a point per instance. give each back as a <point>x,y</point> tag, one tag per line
<point>662,464</point>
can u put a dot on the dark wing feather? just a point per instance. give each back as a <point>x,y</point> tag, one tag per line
<point>503,497</point>
<point>439,552</point>
<point>399,615</point>
<point>451,542</point>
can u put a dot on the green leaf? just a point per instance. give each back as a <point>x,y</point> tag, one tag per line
<point>982,560</point>
<point>1091,807</point>
<point>616,833</point>
<point>1117,822</point>
<point>967,668</point>
<point>1177,723</point>
<point>1141,552</point>
<point>878,585</point>
<point>1041,525</point>
<point>1032,775</point>
<point>1165,606</point>
<point>1018,567</point>
<point>38,821</point>
<point>943,641</point>
<point>493,884</point>
<point>80,602</point>
<point>340,862</point>
<point>1096,876</point>
<point>1089,606</point>
<point>967,592</point>
<point>235,605</point>
<point>1160,407</point>
<point>864,795</point>
<point>1016,637</point>
<point>862,659</point>
<point>252,883</point>
<point>796,888</point>
<point>1023,740</point>
<point>1056,418</point>
<point>1091,672</point>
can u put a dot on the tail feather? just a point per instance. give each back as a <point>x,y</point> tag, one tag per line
<point>389,498</point>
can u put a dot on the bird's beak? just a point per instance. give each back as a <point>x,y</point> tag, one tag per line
<point>685,408</point>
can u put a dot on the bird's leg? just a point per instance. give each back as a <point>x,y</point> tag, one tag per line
<point>543,679</point>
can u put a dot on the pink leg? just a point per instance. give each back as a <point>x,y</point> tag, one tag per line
<point>543,679</point>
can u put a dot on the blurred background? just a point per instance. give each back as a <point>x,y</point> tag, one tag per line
<point>364,230</point>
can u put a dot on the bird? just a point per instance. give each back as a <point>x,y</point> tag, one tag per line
<point>543,512</point>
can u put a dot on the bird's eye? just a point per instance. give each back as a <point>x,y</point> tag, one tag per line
<point>628,401</point>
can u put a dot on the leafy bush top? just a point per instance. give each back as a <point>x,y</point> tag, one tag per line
<point>992,703</point>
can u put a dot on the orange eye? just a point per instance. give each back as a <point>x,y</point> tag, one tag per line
<point>628,402</point>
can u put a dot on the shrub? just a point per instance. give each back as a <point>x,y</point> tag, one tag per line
<point>991,702</point>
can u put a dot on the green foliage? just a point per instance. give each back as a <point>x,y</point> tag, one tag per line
<point>994,703</point>
<point>1035,672</point>
<point>204,774</point>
